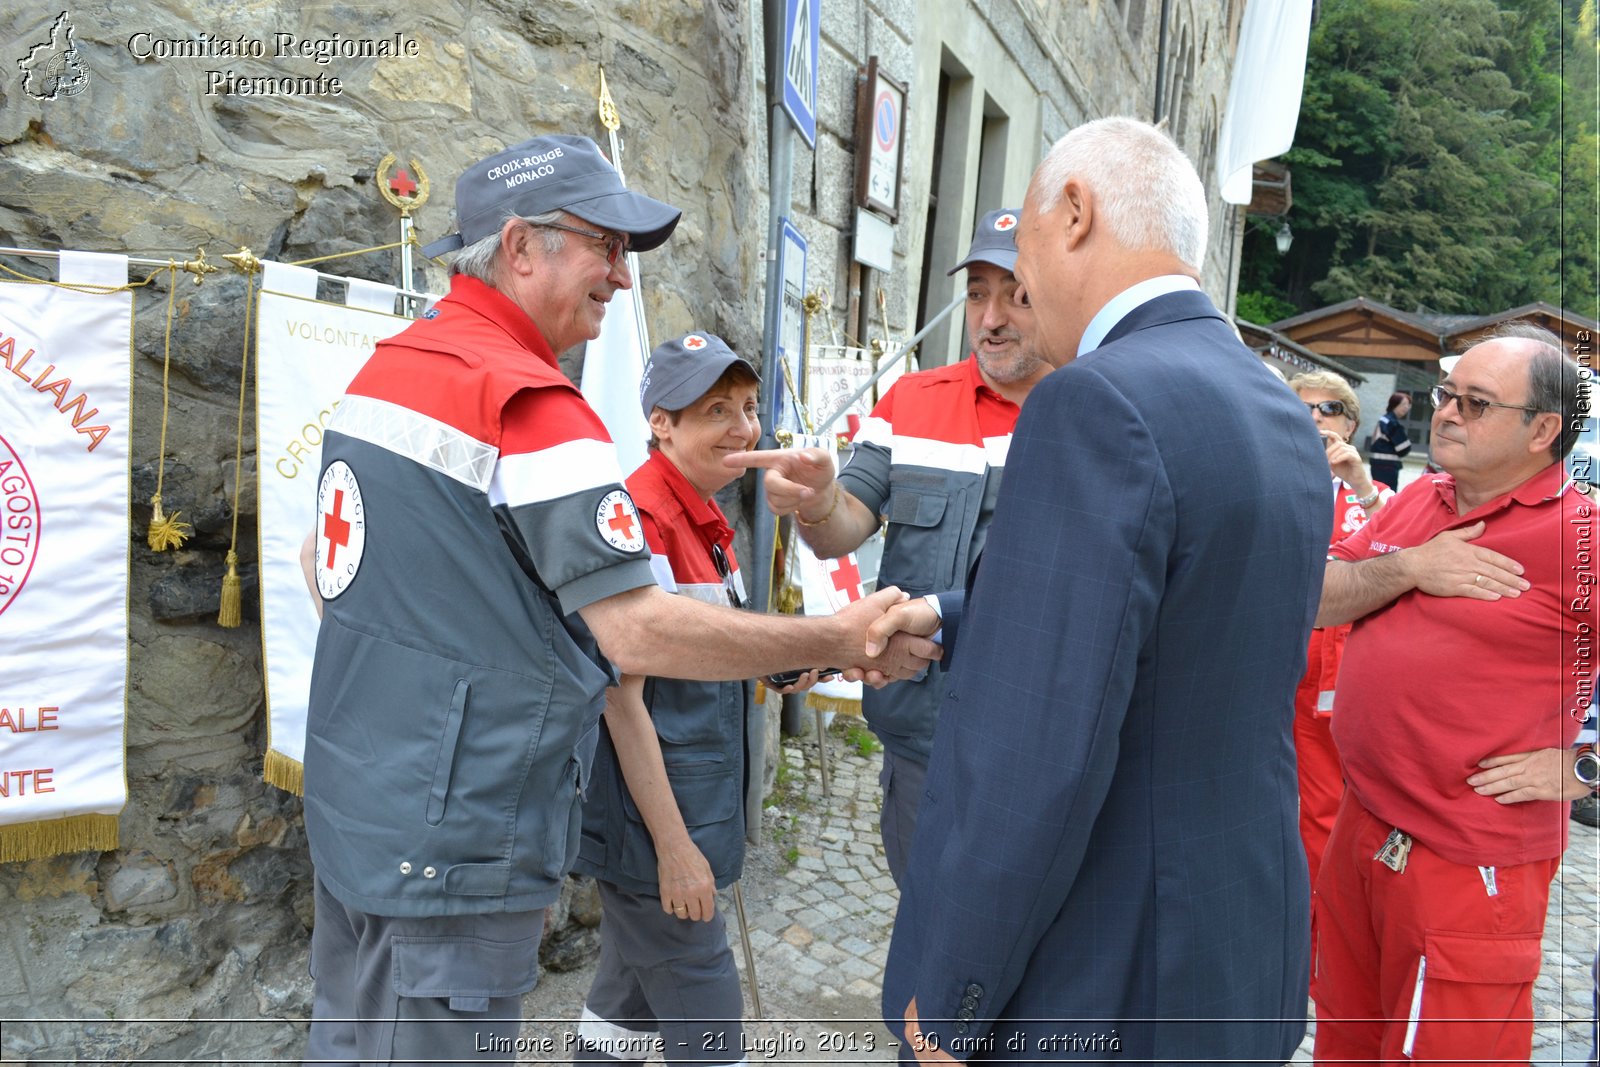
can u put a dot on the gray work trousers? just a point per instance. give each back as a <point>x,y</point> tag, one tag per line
<point>401,991</point>
<point>662,982</point>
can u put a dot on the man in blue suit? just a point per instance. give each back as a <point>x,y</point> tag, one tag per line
<point>1107,864</point>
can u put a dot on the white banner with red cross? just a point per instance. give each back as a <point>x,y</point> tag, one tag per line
<point>307,350</point>
<point>826,585</point>
<point>65,373</point>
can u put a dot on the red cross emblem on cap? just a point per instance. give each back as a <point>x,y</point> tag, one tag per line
<point>1005,222</point>
<point>694,342</point>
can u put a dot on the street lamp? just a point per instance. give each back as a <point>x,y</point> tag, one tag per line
<point>1284,238</point>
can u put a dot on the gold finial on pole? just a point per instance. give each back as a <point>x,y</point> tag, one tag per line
<point>407,189</point>
<point>198,266</point>
<point>244,261</point>
<point>609,117</point>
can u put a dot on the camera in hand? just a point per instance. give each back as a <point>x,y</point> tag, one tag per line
<point>787,678</point>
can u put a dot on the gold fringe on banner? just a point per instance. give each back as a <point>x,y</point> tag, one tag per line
<point>55,837</point>
<point>285,773</point>
<point>842,705</point>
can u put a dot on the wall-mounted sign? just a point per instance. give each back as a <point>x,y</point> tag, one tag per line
<point>791,329</point>
<point>880,140</point>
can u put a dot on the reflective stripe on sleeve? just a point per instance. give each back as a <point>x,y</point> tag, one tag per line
<point>552,473</point>
<point>434,444</point>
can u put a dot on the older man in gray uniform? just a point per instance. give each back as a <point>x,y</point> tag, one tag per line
<point>484,575</point>
<point>929,460</point>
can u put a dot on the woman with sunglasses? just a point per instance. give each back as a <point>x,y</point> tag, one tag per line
<point>1337,413</point>
<point>663,821</point>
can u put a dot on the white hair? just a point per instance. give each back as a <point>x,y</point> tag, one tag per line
<point>1146,191</point>
<point>477,260</point>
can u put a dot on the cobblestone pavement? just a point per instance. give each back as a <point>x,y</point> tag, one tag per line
<point>821,906</point>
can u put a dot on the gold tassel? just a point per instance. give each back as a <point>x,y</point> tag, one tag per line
<point>165,530</point>
<point>285,773</point>
<point>229,614</point>
<point>231,595</point>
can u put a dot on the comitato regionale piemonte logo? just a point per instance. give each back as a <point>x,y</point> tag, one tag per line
<point>54,68</point>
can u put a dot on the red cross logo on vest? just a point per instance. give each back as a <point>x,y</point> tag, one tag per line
<point>618,522</point>
<point>342,533</point>
<point>1005,222</point>
<point>335,528</point>
<point>846,577</point>
<point>402,185</point>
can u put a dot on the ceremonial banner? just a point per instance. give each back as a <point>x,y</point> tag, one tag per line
<point>826,585</point>
<point>612,364</point>
<point>65,378</point>
<point>306,353</point>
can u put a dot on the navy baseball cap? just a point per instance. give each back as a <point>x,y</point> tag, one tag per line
<point>995,242</point>
<point>558,172</point>
<point>681,370</point>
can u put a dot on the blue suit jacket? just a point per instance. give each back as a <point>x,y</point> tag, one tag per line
<point>1109,834</point>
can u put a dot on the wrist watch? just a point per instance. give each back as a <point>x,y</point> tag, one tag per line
<point>1586,768</point>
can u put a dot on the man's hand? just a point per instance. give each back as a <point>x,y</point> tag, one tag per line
<point>1543,774</point>
<point>918,1044</point>
<point>795,478</point>
<point>880,661</point>
<point>688,890</point>
<point>1449,564</point>
<point>915,617</point>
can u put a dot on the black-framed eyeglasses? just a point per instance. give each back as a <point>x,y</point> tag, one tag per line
<point>1328,408</point>
<point>1471,407</point>
<point>719,559</point>
<point>615,243</point>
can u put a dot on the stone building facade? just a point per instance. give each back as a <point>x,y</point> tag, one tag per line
<point>204,910</point>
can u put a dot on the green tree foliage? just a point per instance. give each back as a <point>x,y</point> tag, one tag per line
<point>1441,160</point>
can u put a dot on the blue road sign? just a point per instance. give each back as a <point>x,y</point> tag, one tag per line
<point>802,36</point>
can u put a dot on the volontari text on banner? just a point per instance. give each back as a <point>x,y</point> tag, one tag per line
<point>307,350</point>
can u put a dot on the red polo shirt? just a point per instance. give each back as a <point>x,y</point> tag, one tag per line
<point>1431,685</point>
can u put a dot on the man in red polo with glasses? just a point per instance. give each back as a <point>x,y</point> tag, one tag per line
<point>1430,906</point>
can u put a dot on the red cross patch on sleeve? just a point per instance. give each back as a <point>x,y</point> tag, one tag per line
<point>618,522</point>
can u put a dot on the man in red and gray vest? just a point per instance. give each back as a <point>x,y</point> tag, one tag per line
<point>484,575</point>
<point>929,460</point>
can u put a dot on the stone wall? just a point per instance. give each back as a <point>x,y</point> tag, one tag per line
<point>205,909</point>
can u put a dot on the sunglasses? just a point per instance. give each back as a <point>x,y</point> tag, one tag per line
<point>719,559</point>
<point>1330,408</point>
<point>615,244</point>
<point>1470,407</point>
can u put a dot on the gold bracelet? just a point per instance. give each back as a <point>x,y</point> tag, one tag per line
<point>831,509</point>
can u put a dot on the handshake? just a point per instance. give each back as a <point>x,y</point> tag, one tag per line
<point>886,637</point>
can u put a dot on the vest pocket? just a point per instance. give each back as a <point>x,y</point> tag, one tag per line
<point>444,764</point>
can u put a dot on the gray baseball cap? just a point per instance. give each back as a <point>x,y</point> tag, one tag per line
<point>558,172</point>
<point>681,370</point>
<point>995,241</point>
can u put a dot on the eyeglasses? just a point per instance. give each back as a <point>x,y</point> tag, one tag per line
<point>719,559</point>
<point>1471,407</point>
<point>1330,408</point>
<point>615,244</point>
